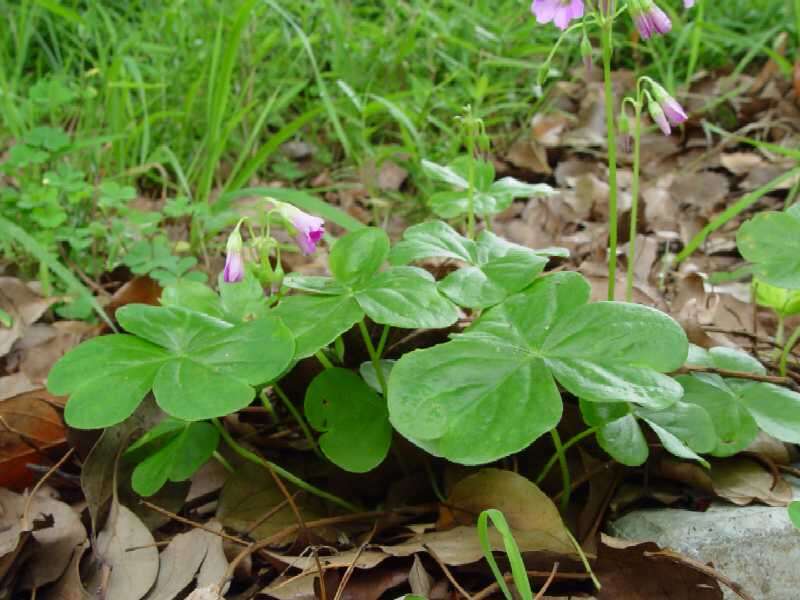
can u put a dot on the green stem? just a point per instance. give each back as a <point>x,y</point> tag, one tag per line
<point>697,35</point>
<point>584,560</point>
<point>323,359</point>
<point>374,357</point>
<point>569,444</point>
<point>608,50</point>
<point>787,349</point>
<point>637,135</point>
<point>562,461</point>
<point>382,341</point>
<point>297,417</point>
<point>283,473</point>
<point>223,461</point>
<point>471,183</point>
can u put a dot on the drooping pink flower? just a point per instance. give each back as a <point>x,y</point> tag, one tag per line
<point>649,18</point>
<point>688,3</point>
<point>672,109</point>
<point>657,113</point>
<point>234,262</point>
<point>560,12</point>
<point>309,228</point>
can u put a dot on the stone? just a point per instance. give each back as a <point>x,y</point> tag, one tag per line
<point>754,546</point>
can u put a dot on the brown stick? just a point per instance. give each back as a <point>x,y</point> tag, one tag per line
<point>349,572</point>
<point>776,379</point>
<point>26,524</point>
<point>195,524</point>
<point>447,572</point>
<point>547,583</point>
<point>508,578</point>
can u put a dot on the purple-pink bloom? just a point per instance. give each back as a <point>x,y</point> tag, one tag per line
<point>309,228</point>
<point>649,18</point>
<point>560,12</point>
<point>234,263</point>
<point>673,111</point>
<point>688,3</point>
<point>659,117</point>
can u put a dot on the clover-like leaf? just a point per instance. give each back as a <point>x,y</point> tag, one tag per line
<point>357,256</point>
<point>356,432</point>
<point>492,391</point>
<point>771,241</point>
<point>198,367</point>
<point>624,441</point>
<point>406,297</point>
<point>495,268</point>
<point>316,321</point>
<point>173,451</point>
<point>784,302</point>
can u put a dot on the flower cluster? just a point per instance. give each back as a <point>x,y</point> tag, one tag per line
<point>664,109</point>
<point>649,18</point>
<point>307,229</point>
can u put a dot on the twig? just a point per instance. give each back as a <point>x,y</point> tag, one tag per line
<point>794,471</point>
<point>447,572</point>
<point>26,524</point>
<point>195,524</point>
<point>349,572</point>
<point>509,578</point>
<point>776,379</point>
<point>271,513</point>
<point>702,568</point>
<point>547,583</point>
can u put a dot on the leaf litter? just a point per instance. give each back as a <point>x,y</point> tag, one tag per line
<point>426,544</point>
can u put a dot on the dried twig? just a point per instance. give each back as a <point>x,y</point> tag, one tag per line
<point>195,524</point>
<point>26,524</point>
<point>701,568</point>
<point>776,379</point>
<point>349,572</point>
<point>509,578</point>
<point>547,583</point>
<point>447,572</point>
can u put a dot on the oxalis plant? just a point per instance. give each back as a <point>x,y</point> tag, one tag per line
<point>522,340</point>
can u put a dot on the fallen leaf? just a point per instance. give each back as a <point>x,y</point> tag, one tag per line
<point>23,305</point>
<point>29,425</point>
<point>179,563</point>
<point>625,571</point>
<point>139,290</point>
<point>741,480</point>
<point>43,344</point>
<point>419,579</point>
<point>127,558</point>
<point>532,516</point>
<point>365,559</point>
<point>250,495</point>
<point>69,586</point>
<point>210,592</point>
<point>215,564</point>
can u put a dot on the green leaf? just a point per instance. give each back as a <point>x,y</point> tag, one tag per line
<point>181,448</point>
<point>370,376</point>
<point>357,256</point>
<point>733,359</point>
<point>794,513</point>
<point>5,319</point>
<point>244,300</point>
<point>775,409</point>
<point>784,302</point>
<point>316,321</point>
<point>491,391</point>
<point>733,424</point>
<point>107,378</point>
<point>472,288</point>
<point>624,441</point>
<point>194,296</point>
<point>690,423</point>
<point>355,425</point>
<point>444,174</point>
<point>472,401</point>
<point>600,413</point>
<point>49,138</point>
<point>771,241</point>
<point>314,284</point>
<point>406,297</point>
<point>198,367</point>
<point>519,189</point>
<point>433,239</point>
<point>674,445</point>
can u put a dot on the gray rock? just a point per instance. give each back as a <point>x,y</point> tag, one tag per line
<point>755,546</point>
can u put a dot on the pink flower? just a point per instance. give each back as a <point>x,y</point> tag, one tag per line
<point>688,3</point>
<point>309,228</point>
<point>234,263</point>
<point>673,111</point>
<point>659,117</point>
<point>560,12</point>
<point>649,18</point>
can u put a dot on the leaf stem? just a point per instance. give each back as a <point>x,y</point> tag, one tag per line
<point>608,50</point>
<point>290,477</point>
<point>582,555</point>
<point>375,357</point>
<point>569,444</point>
<point>637,135</point>
<point>297,417</point>
<point>323,359</point>
<point>562,461</point>
<point>787,349</point>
